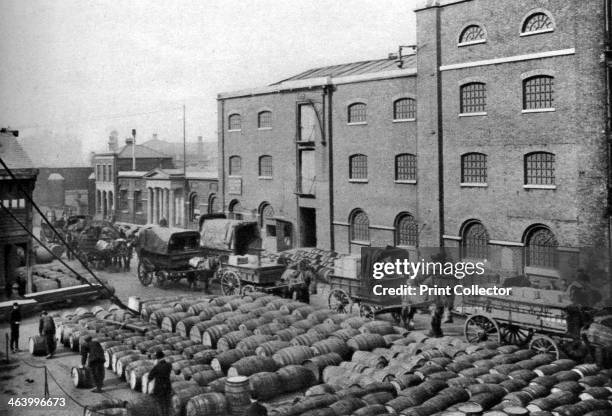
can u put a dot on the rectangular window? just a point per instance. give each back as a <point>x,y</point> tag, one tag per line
<point>123,200</point>
<point>265,166</point>
<point>235,165</point>
<point>473,98</point>
<point>357,113</point>
<point>307,123</point>
<point>538,93</point>
<point>138,205</point>
<point>540,169</point>
<point>474,168</point>
<point>307,172</point>
<point>358,167</point>
<point>405,167</point>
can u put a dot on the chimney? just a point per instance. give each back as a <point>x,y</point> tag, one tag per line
<point>200,148</point>
<point>113,143</point>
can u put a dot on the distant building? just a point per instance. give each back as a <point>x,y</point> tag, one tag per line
<point>149,197</point>
<point>15,242</point>
<point>107,165</point>
<point>201,155</point>
<point>63,189</point>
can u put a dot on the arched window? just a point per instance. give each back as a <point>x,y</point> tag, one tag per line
<point>475,241</point>
<point>406,230</point>
<point>538,92</point>
<point>235,165</point>
<point>541,248</point>
<point>404,109</point>
<point>540,168</point>
<point>265,166</point>
<point>359,226</point>
<point>537,23</point>
<point>474,168</point>
<point>213,204</point>
<point>194,207</point>
<point>234,122</point>
<point>472,34</point>
<point>234,210</point>
<point>473,98</point>
<point>357,113</point>
<point>266,215</point>
<point>264,120</point>
<point>405,167</point>
<point>358,167</point>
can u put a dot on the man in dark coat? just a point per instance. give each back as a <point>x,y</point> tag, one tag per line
<point>15,321</point>
<point>46,328</point>
<point>162,391</point>
<point>92,354</point>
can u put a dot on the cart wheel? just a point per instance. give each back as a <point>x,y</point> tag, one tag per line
<point>366,311</point>
<point>339,301</point>
<point>145,276</point>
<point>230,283</point>
<point>248,289</point>
<point>543,344</point>
<point>480,328</point>
<point>513,334</point>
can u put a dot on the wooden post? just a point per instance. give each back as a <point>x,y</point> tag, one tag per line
<point>6,344</point>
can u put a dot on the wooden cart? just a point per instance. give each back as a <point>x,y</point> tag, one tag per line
<point>245,278</point>
<point>347,293</point>
<point>164,255</point>
<point>541,325</point>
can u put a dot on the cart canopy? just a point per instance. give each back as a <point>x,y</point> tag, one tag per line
<point>237,236</point>
<point>164,240</point>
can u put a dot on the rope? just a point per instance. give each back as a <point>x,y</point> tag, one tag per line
<point>50,374</point>
<point>113,298</point>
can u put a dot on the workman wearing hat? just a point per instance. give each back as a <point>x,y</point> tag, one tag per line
<point>46,328</point>
<point>92,354</point>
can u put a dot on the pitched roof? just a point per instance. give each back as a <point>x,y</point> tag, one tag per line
<point>140,152</point>
<point>13,154</point>
<point>354,68</point>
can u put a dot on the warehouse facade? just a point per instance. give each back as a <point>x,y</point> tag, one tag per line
<point>490,140</point>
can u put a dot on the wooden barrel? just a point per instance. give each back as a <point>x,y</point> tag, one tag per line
<point>345,334</point>
<point>231,339</point>
<point>197,330</point>
<point>184,325</point>
<point>252,324</point>
<point>189,371</point>
<point>307,339</point>
<point>347,406</point>
<point>170,321</point>
<point>223,361</point>
<point>325,328</point>
<point>37,345</point>
<point>179,399</point>
<point>178,365</point>
<point>223,316</point>
<point>288,334</point>
<point>293,355</point>
<point>286,319</point>
<point>81,377</point>
<point>318,363</point>
<point>267,349</point>
<point>295,377</point>
<point>374,360</point>
<point>584,370</point>
<point>218,385</point>
<point>304,324</point>
<point>205,377</point>
<point>108,354</point>
<point>250,365</point>
<point>366,342</point>
<point>238,394</point>
<point>320,315</point>
<point>235,321</point>
<point>134,377</point>
<point>202,357</point>
<point>94,409</point>
<point>377,327</point>
<point>123,362</point>
<point>209,404</point>
<point>265,385</point>
<point>198,307</point>
<point>269,328</point>
<point>252,342</point>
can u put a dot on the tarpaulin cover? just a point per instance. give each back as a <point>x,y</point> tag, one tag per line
<point>220,234</point>
<point>157,239</point>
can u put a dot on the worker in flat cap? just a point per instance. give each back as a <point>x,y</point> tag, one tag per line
<point>92,354</point>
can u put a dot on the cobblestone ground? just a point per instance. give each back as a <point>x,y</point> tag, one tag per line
<point>19,379</point>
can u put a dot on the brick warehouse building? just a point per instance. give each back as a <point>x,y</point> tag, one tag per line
<point>490,140</point>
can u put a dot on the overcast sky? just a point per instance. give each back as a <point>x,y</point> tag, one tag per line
<point>88,67</point>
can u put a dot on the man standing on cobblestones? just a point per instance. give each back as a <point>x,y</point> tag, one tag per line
<point>92,354</point>
<point>15,322</point>
<point>46,328</point>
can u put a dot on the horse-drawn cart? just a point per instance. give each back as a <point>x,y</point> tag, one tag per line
<point>361,291</point>
<point>543,320</point>
<point>164,255</point>
<point>237,245</point>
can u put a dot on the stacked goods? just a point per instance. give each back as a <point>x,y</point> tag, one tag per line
<point>54,276</point>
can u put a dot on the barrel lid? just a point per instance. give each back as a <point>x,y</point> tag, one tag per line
<point>237,379</point>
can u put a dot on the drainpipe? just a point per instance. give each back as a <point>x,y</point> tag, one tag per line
<point>440,131</point>
<point>327,122</point>
<point>221,160</point>
<point>607,81</point>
